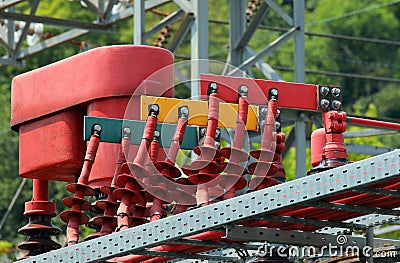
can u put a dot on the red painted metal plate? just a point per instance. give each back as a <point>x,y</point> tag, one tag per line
<point>291,95</point>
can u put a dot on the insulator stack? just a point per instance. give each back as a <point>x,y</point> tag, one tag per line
<point>162,37</point>
<point>251,9</point>
<point>207,166</point>
<point>268,170</point>
<point>77,203</point>
<point>334,153</point>
<point>108,221</point>
<point>167,172</point>
<point>131,193</point>
<point>183,196</point>
<point>233,179</point>
<point>39,229</point>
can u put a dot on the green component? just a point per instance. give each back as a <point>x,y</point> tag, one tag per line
<point>111,131</point>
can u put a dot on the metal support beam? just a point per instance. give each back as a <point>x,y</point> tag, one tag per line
<point>51,42</point>
<point>289,141</point>
<point>280,12</point>
<point>264,67</point>
<point>199,44</point>
<point>25,31</point>
<point>171,18</point>
<point>297,238</point>
<point>139,22</point>
<point>237,26</point>
<point>369,237</point>
<point>94,8</point>
<point>185,5</point>
<point>181,32</point>
<point>9,3</point>
<point>367,149</point>
<point>299,48</point>
<point>300,142</point>
<point>267,50</point>
<point>251,28</point>
<point>107,11</point>
<point>10,32</point>
<point>355,208</point>
<point>55,21</point>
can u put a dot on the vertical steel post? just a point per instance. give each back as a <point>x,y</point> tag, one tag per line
<point>299,50</point>
<point>299,77</point>
<point>300,142</point>
<point>138,22</point>
<point>237,26</point>
<point>199,44</point>
<point>369,238</point>
<point>10,32</point>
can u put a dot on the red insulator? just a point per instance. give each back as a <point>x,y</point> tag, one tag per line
<point>131,192</point>
<point>39,229</point>
<point>334,152</point>
<point>108,221</point>
<point>206,167</point>
<point>77,203</point>
<point>167,170</point>
<point>268,170</point>
<point>233,179</point>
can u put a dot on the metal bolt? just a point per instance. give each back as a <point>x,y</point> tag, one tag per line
<point>278,112</point>
<point>217,133</point>
<point>97,128</point>
<point>324,90</point>
<point>335,92</point>
<point>273,93</point>
<point>154,107</point>
<point>264,111</point>
<point>244,88</point>
<point>183,111</point>
<point>324,104</point>
<point>212,88</point>
<point>202,131</point>
<point>127,131</point>
<point>156,134</point>
<point>336,105</point>
<point>277,125</point>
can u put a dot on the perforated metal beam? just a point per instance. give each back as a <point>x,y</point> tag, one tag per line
<point>216,215</point>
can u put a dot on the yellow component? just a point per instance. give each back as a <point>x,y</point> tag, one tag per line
<point>198,112</point>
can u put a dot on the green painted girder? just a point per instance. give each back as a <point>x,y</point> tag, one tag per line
<point>111,131</point>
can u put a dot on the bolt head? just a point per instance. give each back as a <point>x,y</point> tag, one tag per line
<point>243,89</point>
<point>324,90</point>
<point>202,131</point>
<point>154,107</point>
<point>264,111</point>
<point>156,134</point>
<point>277,125</point>
<point>183,112</point>
<point>336,105</point>
<point>97,128</point>
<point>335,92</point>
<point>324,104</point>
<point>217,133</point>
<point>127,130</point>
<point>273,92</point>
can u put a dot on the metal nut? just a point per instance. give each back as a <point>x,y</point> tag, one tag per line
<point>336,105</point>
<point>336,92</point>
<point>324,104</point>
<point>324,90</point>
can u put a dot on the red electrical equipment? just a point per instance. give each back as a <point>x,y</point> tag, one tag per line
<point>48,106</point>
